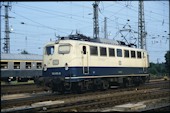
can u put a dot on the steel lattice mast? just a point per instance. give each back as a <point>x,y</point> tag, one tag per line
<point>7,31</point>
<point>95,18</point>
<point>105,28</point>
<point>141,27</point>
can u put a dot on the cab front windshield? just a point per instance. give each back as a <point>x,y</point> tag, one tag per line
<point>64,49</point>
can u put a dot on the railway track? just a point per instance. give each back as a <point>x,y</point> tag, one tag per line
<point>32,88</point>
<point>108,101</point>
<point>85,103</point>
<point>55,96</point>
<point>20,88</point>
<point>145,89</point>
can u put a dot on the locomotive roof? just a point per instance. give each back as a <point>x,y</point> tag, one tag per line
<point>81,37</point>
<point>12,56</point>
<point>85,39</point>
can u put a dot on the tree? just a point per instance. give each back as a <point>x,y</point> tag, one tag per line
<point>157,69</point>
<point>24,52</point>
<point>167,62</point>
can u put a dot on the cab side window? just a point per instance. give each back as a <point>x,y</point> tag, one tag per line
<point>84,49</point>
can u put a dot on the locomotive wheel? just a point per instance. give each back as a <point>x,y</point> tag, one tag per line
<point>80,88</point>
<point>59,88</point>
<point>98,84</point>
<point>105,85</point>
<point>77,87</point>
<point>137,81</point>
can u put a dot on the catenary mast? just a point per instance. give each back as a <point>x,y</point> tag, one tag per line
<point>95,18</point>
<point>141,27</point>
<point>105,28</point>
<point>7,31</point>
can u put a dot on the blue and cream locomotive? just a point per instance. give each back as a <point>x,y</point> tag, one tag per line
<point>78,63</point>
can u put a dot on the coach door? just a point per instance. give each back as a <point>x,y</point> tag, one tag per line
<point>85,58</point>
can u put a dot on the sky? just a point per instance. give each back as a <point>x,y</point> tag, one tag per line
<point>33,24</point>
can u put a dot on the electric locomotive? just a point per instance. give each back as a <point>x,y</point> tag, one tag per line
<point>79,63</point>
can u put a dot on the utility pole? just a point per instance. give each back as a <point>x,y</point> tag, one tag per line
<point>141,27</point>
<point>95,22</point>
<point>105,27</point>
<point>7,31</point>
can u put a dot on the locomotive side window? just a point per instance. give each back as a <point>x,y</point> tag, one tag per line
<point>119,52</point>
<point>16,65</point>
<point>133,54</point>
<point>39,65</point>
<point>139,55</point>
<point>50,50</point>
<point>84,49</point>
<point>93,50</point>
<point>64,49</point>
<point>4,65</point>
<point>28,65</point>
<point>126,53</point>
<point>111,52</point>
<point>103,51</point>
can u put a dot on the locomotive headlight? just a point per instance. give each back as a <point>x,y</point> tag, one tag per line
<point>66,66</point>
<point>11,77</point>
<point>45,67</point>
<point>55,62</point>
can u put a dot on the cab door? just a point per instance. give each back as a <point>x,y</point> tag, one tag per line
<point>145,61</point>
<point>85,58</point>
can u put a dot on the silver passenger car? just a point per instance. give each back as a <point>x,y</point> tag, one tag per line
<point>20,66</point>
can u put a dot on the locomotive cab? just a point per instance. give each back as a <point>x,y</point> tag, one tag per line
<point>52,60</point>
<point>56,64</point>
<point>61,61</point>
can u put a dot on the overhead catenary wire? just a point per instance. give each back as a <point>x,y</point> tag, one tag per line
<point>153,17</point>
<point>56,13</point>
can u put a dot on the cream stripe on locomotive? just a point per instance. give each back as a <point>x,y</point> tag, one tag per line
<point>106,76</point>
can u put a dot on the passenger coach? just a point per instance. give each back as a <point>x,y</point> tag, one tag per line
<point>20,66</point>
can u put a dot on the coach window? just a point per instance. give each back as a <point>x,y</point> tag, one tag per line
<point>84,49</point>
<point>28,65</point>
<point>39,65</point>
<point>119,52</point>
<point>4,65</point>
<point>103,51</point>
<point>64,49</point>
<point>16,65</point>
<point>133,54</point>
<point>93,50</point>
<point>126,53</point>
<point>111,52</point>
<point>50,50</point>
<point>139,54</point>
